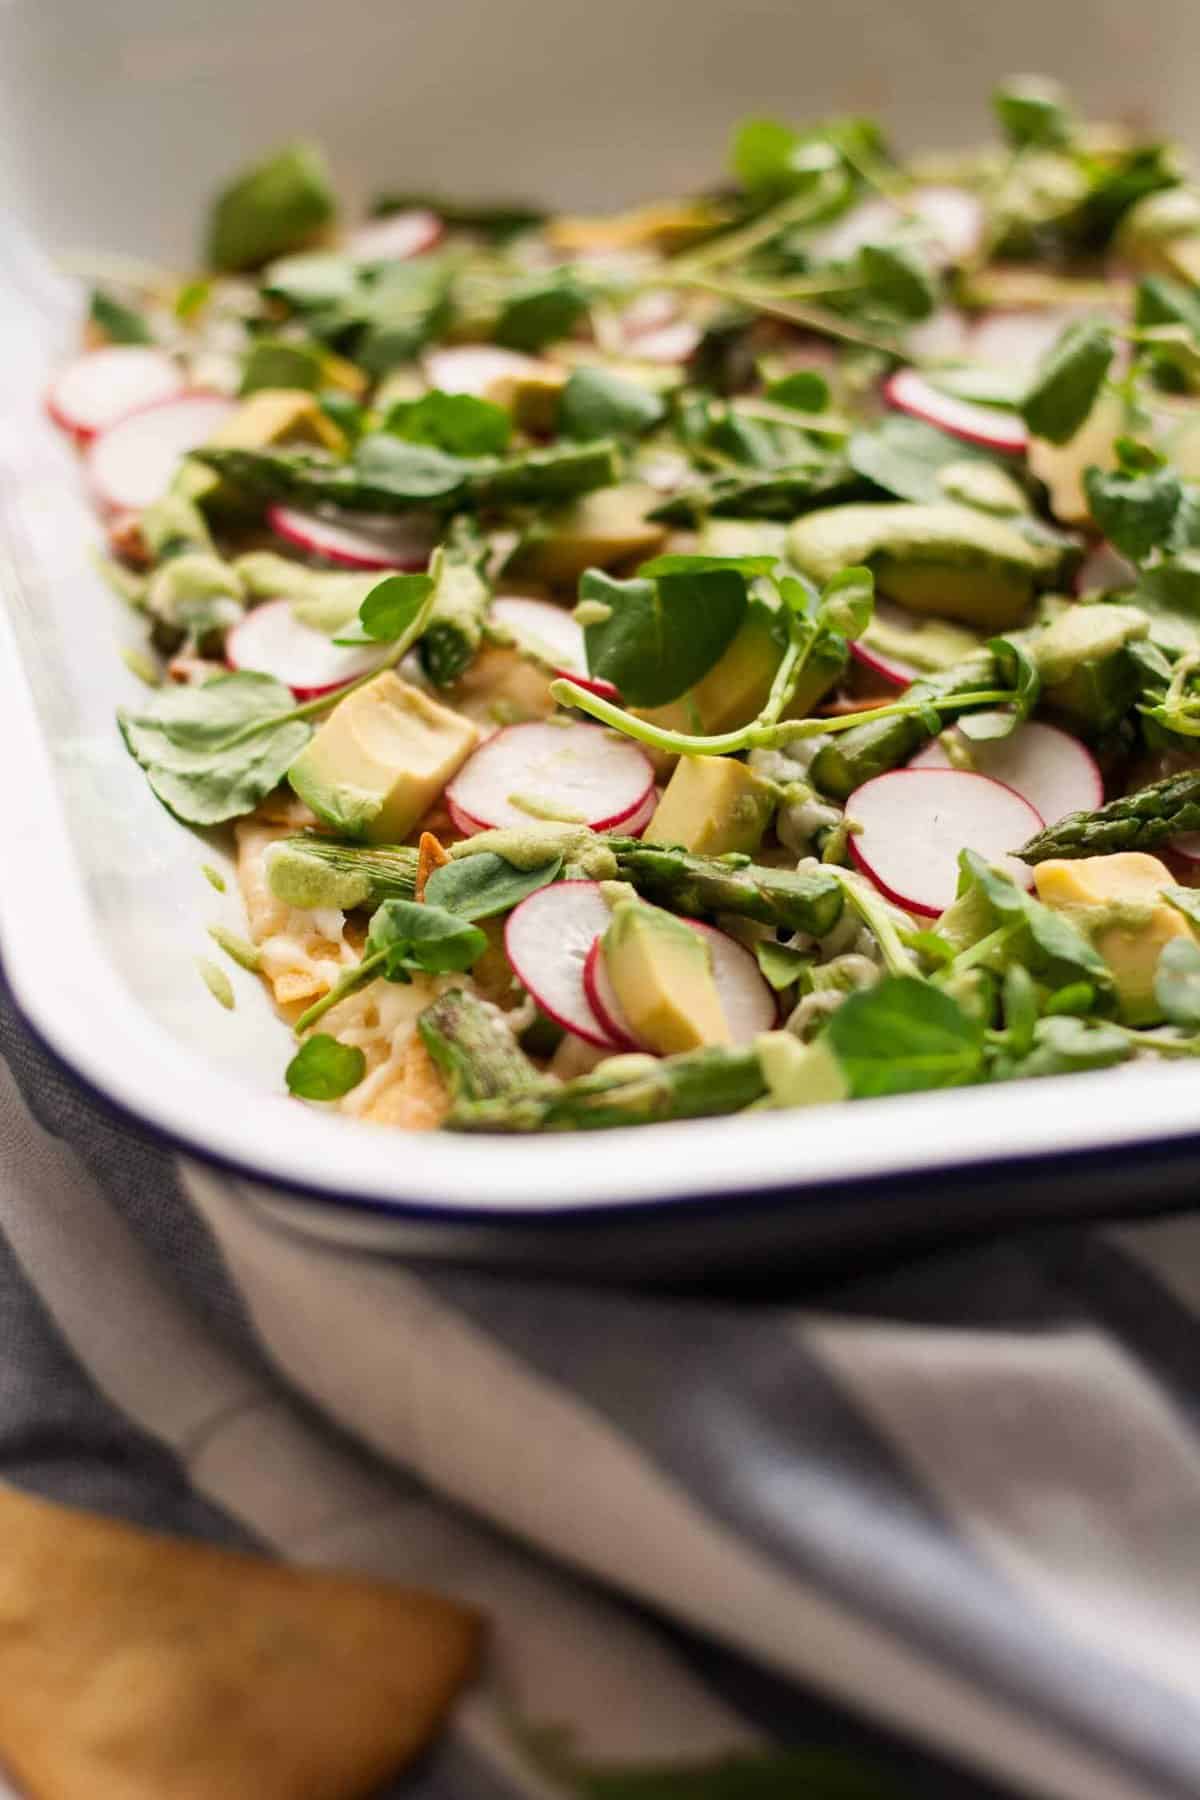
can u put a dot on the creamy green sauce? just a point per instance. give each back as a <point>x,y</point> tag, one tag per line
<point>528,847</point>
<point>539,808</point>
<point>592,612</point>
<point>305,882</point>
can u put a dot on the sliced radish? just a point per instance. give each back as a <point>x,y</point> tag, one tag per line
<point>97,389</point>
<point>675,343</point>
<point>568,769</point>
<point>942,335</point>
<point>1104,568</point>
<point>396,237</point>
<point>651,311</point>
<point>549,633</point>
<point>361,541</point>
<point>746,1000</point>
<point>1018,339</point>
<point>951,217</point>
<point>891,669</point>
<point>134,462</point>
<point>914,822</point>
<point>272,641</point>
<point>909,392</point>
<point>546,940</point>
<point>475,368</point>
<point>1186,847</point>
<point>1046,766</point>
<point>954,218</point>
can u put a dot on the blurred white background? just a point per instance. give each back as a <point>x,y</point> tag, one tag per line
<point>117,116</point>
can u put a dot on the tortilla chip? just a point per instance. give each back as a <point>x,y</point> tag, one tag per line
<point>426,1096</point>
<point>140,1667</point>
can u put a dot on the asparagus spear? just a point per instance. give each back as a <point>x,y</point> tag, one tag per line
<point>460,602</point>
<point>390,475</point>
<point>627,1090</point>
<point>796,899</point>
<point>853,757</point>
<point>474,1049</point>
<point>313,871</point>
<point>1140,821</point>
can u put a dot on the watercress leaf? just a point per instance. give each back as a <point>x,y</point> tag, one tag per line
<point>1169,594</point>
<point>1066,1045</point>
<point>848,602</point>
<point>1177,982</point>
<point>459,423</point>
<point>540,311</point>
<point>929,944</point>
<point>1160,301</point>
<point>1033,112</point>
<point>678,564</point>
<point>397,312</point>
<point>323,1069</point>
<point>903,1036</point>
<point>1185,900</point>
<point>413,937</point>
<point>1136,512</point>
<point>1067,382</point>
<point>907,457</point>
<point>798,594</point>
<point>1077,998</point>
<point>1020,1009</point>
<point>212,753</point>
<point>661,634</point>
<point>780,964</point>
<point>390,610</point>
<point>408,471</point>
<point>482,886</point>
<point>120,324</point>
<point>599,404</point>
<point>894,276</point>
<point>804,390</point>
<point>759,153</point>
<point>309,282</point>
<point>1018,671</point>
<point>1047,943</point>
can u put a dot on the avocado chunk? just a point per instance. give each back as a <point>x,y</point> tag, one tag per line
<point>325,599</point>
<point>661,972</point>
<point>533,397</point>
<point>381,759</point>
<point>599,530</point>
<point>799,1074</point>
<point>275,416</point>
<point>1088,675</point>
<point>272,209</point>
<point>172,525</point>
<point>1117,900</point>
<point>275,363</point>
<point>946,559</point>
<point>712,805</point>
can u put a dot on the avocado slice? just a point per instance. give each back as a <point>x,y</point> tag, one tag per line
<point>269,417</point>
<point>712,805</point>
<point>1062,466</point>
<point>950,560</point>
<point>272,209</point>
<point>1117,900</point>
<point>661,972</point>
<point>599,530</point>
<point>1088,675</point>
<point>381,759</point>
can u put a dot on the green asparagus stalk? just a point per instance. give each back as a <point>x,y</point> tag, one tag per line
<point>389,475</point>
<point>312,871</point>
<point>1141,821</point>
<point>853,757</point>
<point>460,602</point>
<point>474,1049</point>
<point>627,1090</point>
<point>799,900</point>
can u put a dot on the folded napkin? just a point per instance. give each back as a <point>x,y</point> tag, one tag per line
<point>960,1497</point>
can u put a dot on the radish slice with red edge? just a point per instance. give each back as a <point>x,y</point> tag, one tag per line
<point>633,826</point>
<point>366,541</point>
<point>1102,569</point>
<point>546,940</point>
<point>134,462</point>
<point>1017,339</point>
<point>746,1000</point>
<point>1046,766</point>
<point>272,641</point>
<point>953,218</point>
<point>475,368</point>
<point>578,773</point>
<point>549,632</point>
<point>989,426</point>
<point>99,388</point>
<point>914,822</point>
<point>396,237</point>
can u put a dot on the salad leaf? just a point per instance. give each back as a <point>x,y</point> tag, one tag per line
<point>1177,982</point>
<point>1184,900</point>
<point>847,601</point>
<point>894,277</point>
<point>408,937</point>
<point>541,311</point>
<point>271,208</point>
<point>599,404</point>
<point>458,423</point>
<point>120,324</point>
<point>1044,940</point>
<point>761,154</point>
<point>1136,512</point>
<point>907,457</point>
<point>1034,113</point>
<point>903,1036</point>
<point>323,1069</point>
<point>498,219</point>
<point>1067,382</point>
<point>1169,593</point>
<point>805,390</point>
<point>663,632</point>
<point>482,886</point>
<point>212,753</point>
<point>390,611</point>
<point>1018,671</point>
<point>1158,300</point>
<point>781,965</point>
<point>1064,1046</point>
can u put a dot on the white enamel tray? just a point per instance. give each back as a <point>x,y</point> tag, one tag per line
<point>103,906</point>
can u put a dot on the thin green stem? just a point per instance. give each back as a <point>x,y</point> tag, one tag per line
<point>978,953</point>
<point>875,914</point>
<point>1147,1040</point>
<point>349,983</point>
<point>731,245</point>
<point>809,318</point>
